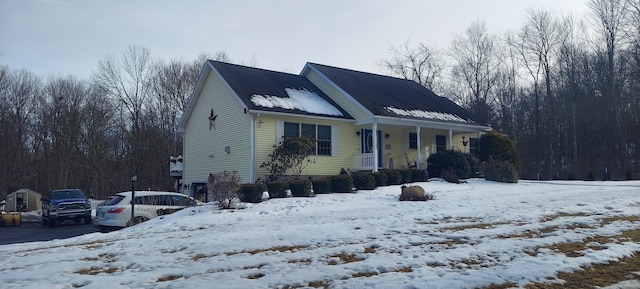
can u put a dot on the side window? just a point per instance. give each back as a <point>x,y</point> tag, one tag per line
<point>291,129</point>
<point>441,143</point>
<point>473,146</point>
<point>413,141</point>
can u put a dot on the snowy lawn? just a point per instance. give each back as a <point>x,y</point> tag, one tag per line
<point>472,236</point>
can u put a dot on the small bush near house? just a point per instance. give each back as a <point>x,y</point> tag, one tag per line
<point>252,193</point>
<point>364,181</point>
<point>474,164</point>
<point>341,183</point>
<point>419,175</point>
<point>406,176</point>
<point>449,160</point>
<point>277,189</point>
<point>497,146</point>
<point>395,178</point>
<point>501,171</point>
<point>224,187</point>
<point>450,176</point>
<point>382,178</point>
<point>321,186</point>
<point>300,188</point>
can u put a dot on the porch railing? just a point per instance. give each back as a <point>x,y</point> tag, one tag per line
<point>363,162</point>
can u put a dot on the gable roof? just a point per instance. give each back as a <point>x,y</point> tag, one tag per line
<point>272,91</point>
<point>394,97</point>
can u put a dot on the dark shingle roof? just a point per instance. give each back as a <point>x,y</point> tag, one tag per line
<point>375,92</point>
<point>249,81</point>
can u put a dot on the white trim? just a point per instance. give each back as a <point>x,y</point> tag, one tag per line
<point>334,141</point>
<point>430,124</point>
<point>253,111</point>
<point>279,130</point>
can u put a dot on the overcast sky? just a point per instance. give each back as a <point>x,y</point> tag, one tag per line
<point>61,37</point>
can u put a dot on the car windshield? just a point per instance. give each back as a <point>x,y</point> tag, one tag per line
<point>67,194</point>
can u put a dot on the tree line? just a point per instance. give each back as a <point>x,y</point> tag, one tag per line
<point>564,87</point>
<point>95,134</point>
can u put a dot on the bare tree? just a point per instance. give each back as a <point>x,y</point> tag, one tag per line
<point>21,92</point>
<point>423,64</point>
<point>127,83</point>
<point>477,61</point>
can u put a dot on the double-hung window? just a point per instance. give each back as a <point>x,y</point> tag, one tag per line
<point>321,134</point>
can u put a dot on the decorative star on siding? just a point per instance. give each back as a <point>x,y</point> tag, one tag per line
<point>212,120</point>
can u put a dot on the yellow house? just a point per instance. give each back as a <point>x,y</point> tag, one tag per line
<point>237,114</point>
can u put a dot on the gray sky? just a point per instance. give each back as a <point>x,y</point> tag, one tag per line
<point>61,37</point>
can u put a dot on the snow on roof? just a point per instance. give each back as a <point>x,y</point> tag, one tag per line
<point>425,114</point>
<point>300,99</point>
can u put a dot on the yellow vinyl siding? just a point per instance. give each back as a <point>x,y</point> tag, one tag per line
<point>349,106</point>
<point>204,149</point>
<point>347,144</point>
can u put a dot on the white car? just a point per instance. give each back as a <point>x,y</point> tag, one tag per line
<point>115,213</point>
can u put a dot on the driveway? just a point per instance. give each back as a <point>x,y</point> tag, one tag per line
<point>35,231</point>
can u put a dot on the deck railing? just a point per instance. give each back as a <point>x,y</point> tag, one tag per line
<point>362,162</point>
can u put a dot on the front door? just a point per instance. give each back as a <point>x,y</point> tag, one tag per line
<point>366,143</point>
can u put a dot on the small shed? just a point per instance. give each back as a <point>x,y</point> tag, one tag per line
<point>23,200</point>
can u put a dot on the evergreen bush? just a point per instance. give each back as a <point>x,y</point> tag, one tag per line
<point>497,146</point>
<point>300,188</point>
<point>364,181</point>
<point>252,193</point>
<point>382,178</point>
<point>501,171</point>
<point>342,184</point>
<point>394,177</point>
<point>322,186</point>
<point>277,189</point>
<point>449,160</point>
<point>406,176</point>
<point>591,176</point>
<point>419,175</point>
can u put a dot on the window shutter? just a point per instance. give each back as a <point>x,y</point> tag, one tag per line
<point>334,141</point>
<point>279,131</point>
<point>406,140</point>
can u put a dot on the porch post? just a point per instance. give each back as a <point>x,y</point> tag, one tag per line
<point>374,138</point>
<point>419,146</point>
<point>450,142</point>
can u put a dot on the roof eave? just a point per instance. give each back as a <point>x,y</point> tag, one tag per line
<point>431,124</point>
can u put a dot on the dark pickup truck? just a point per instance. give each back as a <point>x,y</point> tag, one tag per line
<point>66,204</point>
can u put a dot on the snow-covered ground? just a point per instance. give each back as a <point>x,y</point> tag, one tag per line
<point>472,235</point>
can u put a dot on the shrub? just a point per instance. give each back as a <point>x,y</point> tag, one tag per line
<point>405,176</point>
<point>300,188</point>
<point>418,175</point>
<point>364,181</point>
<point>342,184</point>
<point>497,146</point>
<point>449,160</point>
<point>382,178</point>
<point>450,176</point>
<point>474,164</point>
<point>292,154</point>
<point>224,187</point>
<point>501,171</point>
<point>321,186</point>
<point>395,178</point>
<point>277,189</point>
<point>591,176</point>
<point>252,193</point>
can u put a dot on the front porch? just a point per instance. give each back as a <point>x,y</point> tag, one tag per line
<point>408,146</point>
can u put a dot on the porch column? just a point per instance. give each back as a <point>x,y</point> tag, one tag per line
<point>374,138</point>
<point>450,142</point>
<point>419,147</point>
